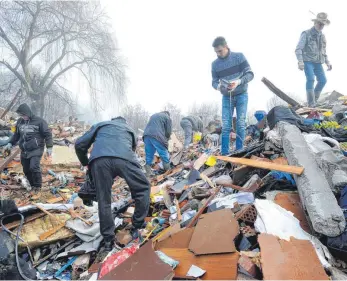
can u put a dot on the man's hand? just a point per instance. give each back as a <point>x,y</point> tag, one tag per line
<point>49,152</point>
<point>233,85</point>
<point>301,65</point>
<point>330,67</point>
<point>8,147</point>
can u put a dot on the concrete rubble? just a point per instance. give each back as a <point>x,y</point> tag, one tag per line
<point>273,210</point>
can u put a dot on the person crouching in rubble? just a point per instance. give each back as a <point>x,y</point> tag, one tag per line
<point>156,138</point>
<point>231,74</point>
<point>113,154</point>
<point>191,124</point>
<point>32,133</point>
<point>311,54</point>
<point>254,131</point>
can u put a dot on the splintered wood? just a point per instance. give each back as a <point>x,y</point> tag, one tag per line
<point>263,165</point>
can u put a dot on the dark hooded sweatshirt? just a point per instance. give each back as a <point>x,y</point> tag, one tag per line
<point>31,134</point>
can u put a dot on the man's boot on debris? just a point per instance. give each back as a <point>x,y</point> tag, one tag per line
<point>148,170</point>
<point>108,245</point>
<point>166,166</point>
<point>311,99</point>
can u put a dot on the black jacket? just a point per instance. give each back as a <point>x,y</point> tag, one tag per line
<point>32,134</point>
<point>159,127</point>
<point>196,122</point>
<point>110,139</point>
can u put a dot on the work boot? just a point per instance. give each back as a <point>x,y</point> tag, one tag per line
<point>148,170</point>
<point>166,166</point>
<point>108,245</point>
<point>311,99</point>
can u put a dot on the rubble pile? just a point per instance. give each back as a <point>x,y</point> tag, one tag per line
<point>274,210</point>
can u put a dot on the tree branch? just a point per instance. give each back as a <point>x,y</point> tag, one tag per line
<point>9,42</point>
<point>55,77</point>
<point>15,72</point>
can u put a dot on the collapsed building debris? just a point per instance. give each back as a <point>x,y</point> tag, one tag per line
<point>254,214</point>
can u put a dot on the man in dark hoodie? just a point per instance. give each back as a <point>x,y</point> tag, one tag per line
<point>156,138</point>
<point>113,154</point>
<point>189,125</point>
<point>32,133</point>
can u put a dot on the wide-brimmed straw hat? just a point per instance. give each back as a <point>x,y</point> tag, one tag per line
<point>323,18</point>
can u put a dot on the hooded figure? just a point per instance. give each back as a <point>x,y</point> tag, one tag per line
<point>32,133</point>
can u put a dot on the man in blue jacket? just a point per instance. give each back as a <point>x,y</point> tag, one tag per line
<point>231,74</point>
<point>114,143</point>
<point>156,138</point>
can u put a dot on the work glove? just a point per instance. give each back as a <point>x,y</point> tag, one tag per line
<point>49,152</point>
<point>8,147</point>
<point>301,65</point>
<point>330,67</point>
<point>233,85</point>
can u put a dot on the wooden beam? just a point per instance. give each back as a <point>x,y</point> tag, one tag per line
<point>263,165</point>
<point>279,93</point>
<point>50,232</point>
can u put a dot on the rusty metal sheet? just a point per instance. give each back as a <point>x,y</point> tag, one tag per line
<point>144,264</point>
<point>215,233</point>
<point>293,260</point>
<point>292,203</point>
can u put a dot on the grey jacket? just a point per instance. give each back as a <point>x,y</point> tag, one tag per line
<point>312,47</point>
<point>159,127</point>
<point>196,122</point>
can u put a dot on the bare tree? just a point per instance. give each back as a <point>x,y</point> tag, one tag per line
<point>275,101</point>
<point>136,116</point>
<point>176,115</point>
<point>206,110</point>
<point>58,37</point>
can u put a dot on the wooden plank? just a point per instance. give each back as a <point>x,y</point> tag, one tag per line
<point>218,267</point>
<point>50,232</point>
<point>178,240</point>
<point>200,161</point>
<point>54,200</point>
<point>45,211</point>
<point>263,165</point>
<point>15,224</point>
<point>279,93</point>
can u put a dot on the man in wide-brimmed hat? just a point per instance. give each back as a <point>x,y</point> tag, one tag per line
<point>311,54</point>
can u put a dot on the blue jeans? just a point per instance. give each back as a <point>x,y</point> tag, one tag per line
<point>228,104</point>
<point>188,132</point>
<point>152,145</point>
<point>311,70</point>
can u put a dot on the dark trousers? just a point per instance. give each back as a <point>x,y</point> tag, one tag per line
<point>104,170</point>
<point>32,170</point>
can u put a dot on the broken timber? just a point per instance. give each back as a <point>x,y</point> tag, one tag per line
<point>279,93</point>
<point>263,165</point>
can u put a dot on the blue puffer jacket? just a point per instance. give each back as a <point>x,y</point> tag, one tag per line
<point>110,139</point>
<point>159,127</point>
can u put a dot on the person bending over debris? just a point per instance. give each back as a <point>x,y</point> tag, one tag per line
<point>114,143</point>
<point>32,133</point>
<point>311,54</point>
<point>231,74</point>
<point>156,138</point>
<point>189,125</point>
